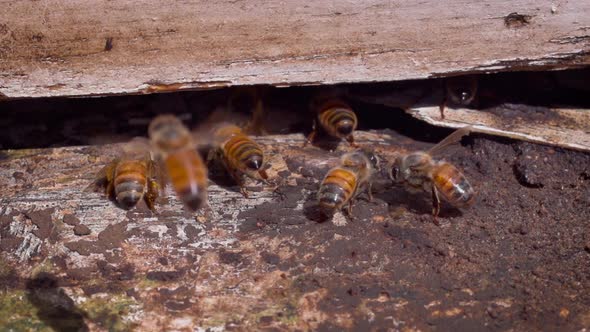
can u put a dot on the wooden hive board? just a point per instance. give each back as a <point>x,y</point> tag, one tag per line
<point>70,48</point>
<point>267,262</point>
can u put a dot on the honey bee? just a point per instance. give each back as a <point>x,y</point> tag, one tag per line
<point>343,183</point>
<point>177,151</point>
<point>461,90</point>
<point>240,154</point>
<point>419,171</point>
<point>130,177</point>
<point>334,117</point>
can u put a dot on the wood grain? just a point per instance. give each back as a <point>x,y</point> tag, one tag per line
<point>267,263</point>
<point>567,128</point>
<point>56,178</point>
<point>70,48</point>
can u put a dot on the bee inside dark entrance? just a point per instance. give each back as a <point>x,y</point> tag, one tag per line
<point>261,110</point>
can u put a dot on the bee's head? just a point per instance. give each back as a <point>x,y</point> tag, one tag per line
<point>355,159</point>
<point>373,158</point>
<point>361,159</point>
<point>168,133</point>
<point>462,90</point>
<point>395,169</point>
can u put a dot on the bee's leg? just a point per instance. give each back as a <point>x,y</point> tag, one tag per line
<point>277,191</point>
<point>347,212</point>
<point>244,191</point>
<point>159,176</point>
<point>239,181</point>
<point>152,194</point>
<point>349,208</point>
<point>110,179</point>
<point>350,140</point>
<point>153,188</point>
<point>443,102</point>
<point>311,137</point>
<point>102,178</point>
<point>212,154</point>
<point>110,190</point>
<point>435,205</point>
<point>370,191</point>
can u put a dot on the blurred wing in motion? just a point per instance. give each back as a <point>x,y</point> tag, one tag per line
<point>453,138</point>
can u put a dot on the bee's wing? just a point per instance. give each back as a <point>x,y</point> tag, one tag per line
<point>101,178</point>
<point>246,109</point>
<point>203,137</point>
<point>450,140</point>
<point>157,173</point>
<point>137,146</point>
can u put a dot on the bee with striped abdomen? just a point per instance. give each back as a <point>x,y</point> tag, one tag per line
<point>130,177</point>
<point>240,154</point>
<point>343,183</point>
<point>177,151</point>
<point>419,171</point>
<point>334,117</point>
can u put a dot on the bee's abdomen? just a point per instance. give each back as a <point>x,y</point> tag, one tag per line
<point>188,175</point>
<point>241,150</point>
<point>129,182</point>
<point>453,185</point>
<point>338,120</point>
<point>337,188</point>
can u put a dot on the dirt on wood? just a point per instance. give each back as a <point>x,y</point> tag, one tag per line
<point>519,259</point>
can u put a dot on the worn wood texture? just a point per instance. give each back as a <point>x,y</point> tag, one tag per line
<point>45,200</point>
<point>569,128</point>
<point>72,259</point>
<point>68,48</point>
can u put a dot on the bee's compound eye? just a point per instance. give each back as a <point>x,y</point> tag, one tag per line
<point>394,174</point>
<point>374,160</point>
<point>464,96</point>
<point>170,133</point>
<point>155,126</point>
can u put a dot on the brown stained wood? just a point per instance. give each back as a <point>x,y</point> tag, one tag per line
<point>69,48</point>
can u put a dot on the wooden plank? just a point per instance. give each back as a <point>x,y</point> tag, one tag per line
<point>69,48</point>
<point>268,263</point>
<point>569,128</point>
<point>548,108</point>
<point>44,199</point>
<point>57,178</point>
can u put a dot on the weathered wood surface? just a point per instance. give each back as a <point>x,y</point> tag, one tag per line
<point>44,199</point>
<point>549,108</point>
<point>519,259</point>
<point>67,48</point>
<point>569,128</point>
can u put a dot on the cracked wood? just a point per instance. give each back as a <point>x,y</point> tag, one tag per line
<point>69,48</point>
